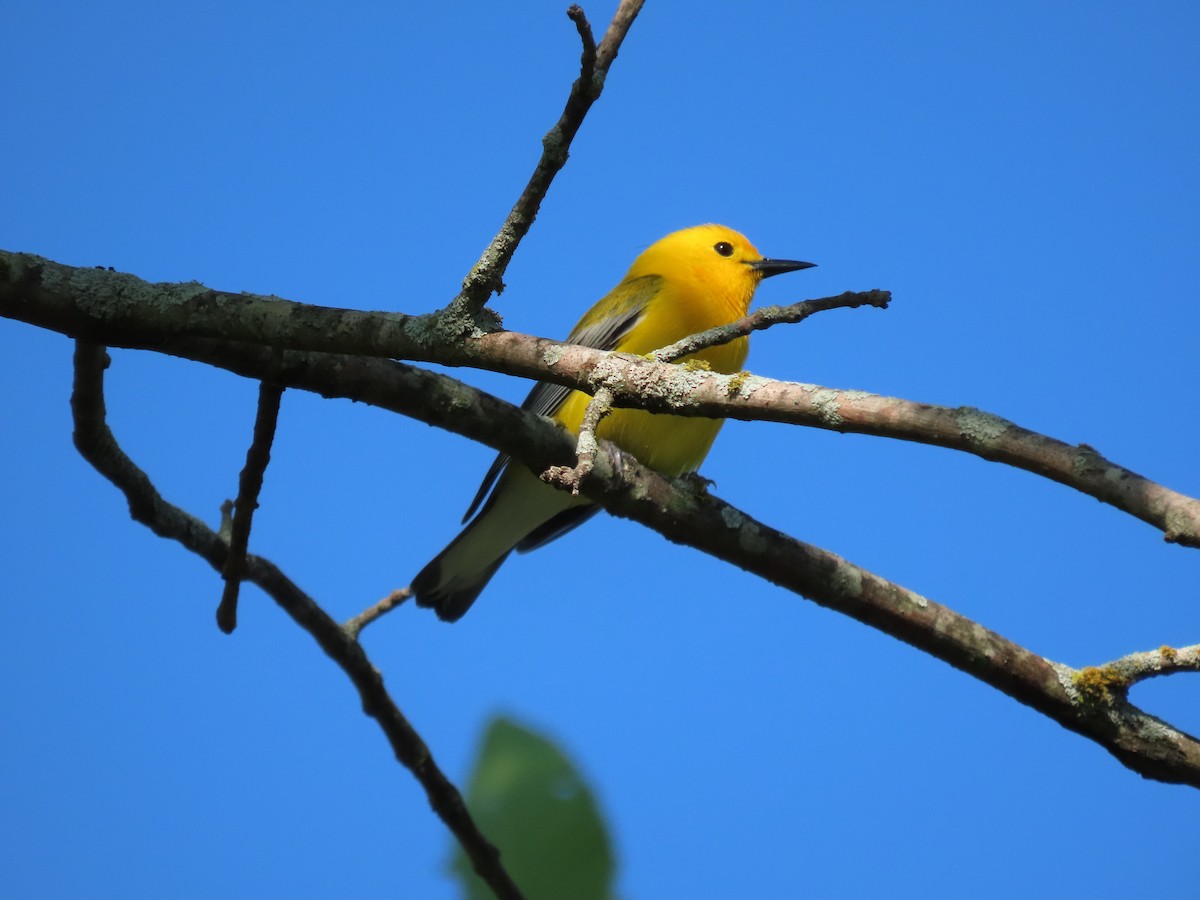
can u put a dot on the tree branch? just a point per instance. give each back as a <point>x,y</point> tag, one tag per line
<point>355,625</point>
<point>487,275</point>
<point>121,310</point>
<point>618,482</point>
<point>602,402</point>
<point>621,21</point>
<point>249,486</point>
<point>586,447</point>
<point>97,445</point>
<point>1129,670</point>
<point>587,59</point>
<point>768,316</point>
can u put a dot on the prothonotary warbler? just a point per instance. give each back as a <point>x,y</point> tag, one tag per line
<point>689,281</point>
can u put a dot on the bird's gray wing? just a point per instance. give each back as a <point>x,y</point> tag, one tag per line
<point>546,397</point>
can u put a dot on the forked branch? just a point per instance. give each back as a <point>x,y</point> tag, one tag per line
<point>1145,744</point>
<point>97,445</point>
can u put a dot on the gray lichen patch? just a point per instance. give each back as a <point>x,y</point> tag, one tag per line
<point>631,375</point>
<point>1087,462</point>
<point>847,581</point>
<point>979,427</point>
<point>1066,679</point>
<point>732,518</point>
<point>827,402</point>
<point>115,295</point>
<point>750,538</point>
<point>749,534</point>
<point>679,389</point>
<point>454,324</point>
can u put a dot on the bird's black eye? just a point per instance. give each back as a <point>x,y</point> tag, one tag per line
<point>724,248</point>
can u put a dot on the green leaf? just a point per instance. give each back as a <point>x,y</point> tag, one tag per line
<point>532,803</point>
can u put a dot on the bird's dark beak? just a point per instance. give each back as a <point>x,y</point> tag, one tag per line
<point>770,267</point>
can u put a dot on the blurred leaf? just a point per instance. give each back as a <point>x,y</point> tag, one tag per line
<point>533,804</point>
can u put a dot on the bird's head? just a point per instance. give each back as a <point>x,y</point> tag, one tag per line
<point>713,259</point>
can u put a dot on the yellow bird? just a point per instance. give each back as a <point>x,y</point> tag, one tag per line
<point>689,281</point>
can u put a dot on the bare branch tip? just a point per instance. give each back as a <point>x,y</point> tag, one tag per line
<point>569,477</point>
<point>227,610</point>
<point>353,627</point>
<point>587,60</point>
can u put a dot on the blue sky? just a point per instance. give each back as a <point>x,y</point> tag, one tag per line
<point>1022,176</point>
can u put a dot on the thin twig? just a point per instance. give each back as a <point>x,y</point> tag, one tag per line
<point>587,60</point>
<point>1145,664</point>
<point>586,445</point>
<point>768,316</point>
<point>354,626</point>
<point>98,446</point>
<point>487,275</point>
<point>258,455</point>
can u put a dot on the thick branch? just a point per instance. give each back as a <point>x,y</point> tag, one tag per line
<point>121,310</point>
<point>1143,743</point>
<point>98,446</point>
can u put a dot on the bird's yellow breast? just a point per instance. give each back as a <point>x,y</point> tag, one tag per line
<point>672,445</point>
